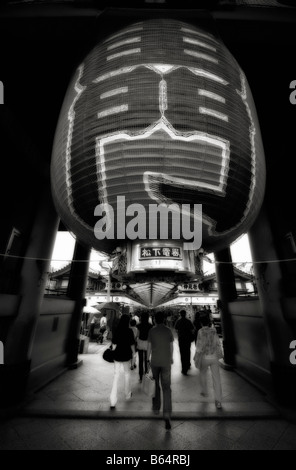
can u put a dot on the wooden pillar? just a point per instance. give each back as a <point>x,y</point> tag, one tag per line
<point>76,291</point>
<point>227,293</point>
<point>20,337</point>
<point>271,289</point>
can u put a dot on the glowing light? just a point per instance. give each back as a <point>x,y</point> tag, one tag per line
<point>113,73</point>
<point>201,55</point>
<point>195,42</point>
<point>123,43</point>
<point>198,33</point>
<point>252,134</point>
<point>212,112</point>
<point>161,68</point>
<point>124,32</point>
<point>209,75</point>
<point>163,99</point>
<point>71,117</point>
<point>114,110</point>
<point>211,95</point>
<point>120,54</point>
<point>151,177</point>
<point>114,92</point>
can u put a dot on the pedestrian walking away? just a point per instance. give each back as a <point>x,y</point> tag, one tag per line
<point>196,324</point>
<point>160,354</point>
<point>209,348</point>
<point>123,343</point>
<point>133,326</point>
<point>142,344</point>
<point>185,330</point>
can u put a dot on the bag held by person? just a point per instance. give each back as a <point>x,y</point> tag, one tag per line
<point>197,359</point>
<point>142,344</point>
<point>219,349</point>
<point>108,354</point>
<point>148,384</point>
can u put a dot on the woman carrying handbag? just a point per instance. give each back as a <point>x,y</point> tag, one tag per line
<point>207,354</point>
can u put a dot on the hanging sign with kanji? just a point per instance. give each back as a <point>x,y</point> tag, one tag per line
<point>160,252</point>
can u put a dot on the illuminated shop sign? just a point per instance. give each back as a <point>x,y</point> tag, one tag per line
<point>160,252</point>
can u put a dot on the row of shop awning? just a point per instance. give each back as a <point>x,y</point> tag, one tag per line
<point>153,294</point>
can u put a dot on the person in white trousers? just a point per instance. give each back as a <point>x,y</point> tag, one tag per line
<point>209,346</point>
<point>118,367</point>
<point>123,343</point>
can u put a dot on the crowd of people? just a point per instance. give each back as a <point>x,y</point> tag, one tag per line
<point>148,343</point>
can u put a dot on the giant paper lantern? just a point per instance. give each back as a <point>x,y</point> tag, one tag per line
<point>158,113</point>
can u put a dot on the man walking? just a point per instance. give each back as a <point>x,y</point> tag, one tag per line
<point>185,330</point>
<point>160,348</point>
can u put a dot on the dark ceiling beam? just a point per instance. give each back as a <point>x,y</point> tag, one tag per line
<point>54,23</point>
<point>21,144</point>
<point>54,12</point>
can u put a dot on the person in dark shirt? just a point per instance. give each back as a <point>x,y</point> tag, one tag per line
<point>133,327</point>
<point>142,344</point>
<point>185,330</point>
<point>123,343</point>
<point>197,324</point>
<point>161,348</point>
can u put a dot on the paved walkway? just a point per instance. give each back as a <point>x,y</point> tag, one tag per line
<point>72,412</point>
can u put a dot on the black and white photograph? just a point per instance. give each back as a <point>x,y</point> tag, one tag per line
<point>148,229</point>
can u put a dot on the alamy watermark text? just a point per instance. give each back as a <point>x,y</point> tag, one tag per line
<point>150,226</point>
<point>293,353</point>
<point>1,353</point>
<point>1,93</point>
